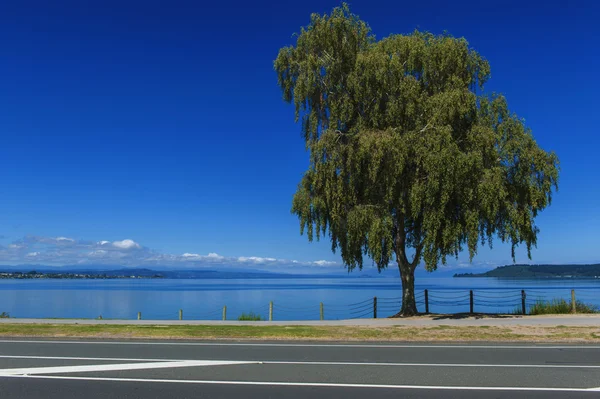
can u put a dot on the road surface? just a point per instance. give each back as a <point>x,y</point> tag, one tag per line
<point>93,369</point>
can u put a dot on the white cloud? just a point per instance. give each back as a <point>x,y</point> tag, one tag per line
<point>211,257</point>
<point>188,255</point>
<point>255,259</point>
<point>324,263</point>
<point>69,251</point>
<point>126,244</point>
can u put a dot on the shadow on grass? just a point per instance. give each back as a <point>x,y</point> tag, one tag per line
<point>460,316</point>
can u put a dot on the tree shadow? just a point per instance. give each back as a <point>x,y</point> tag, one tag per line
<point>461,316</point>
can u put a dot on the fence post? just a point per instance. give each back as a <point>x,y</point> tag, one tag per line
<point>180,314</point>
<point>523,305</point>
<point>271,311</point>
<point>471,301</point>
<point>322,313</point>
<point>224,313</point>
<point>139,315</point>
<point>426,301</point>
<point>573,302</point>
<point>374,307</point>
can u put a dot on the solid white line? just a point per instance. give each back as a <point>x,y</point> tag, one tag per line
<point>315,345</point>
<point>535,366</point>
<point>114,367</point>
<point>317,363</point>
<point>312,384</point>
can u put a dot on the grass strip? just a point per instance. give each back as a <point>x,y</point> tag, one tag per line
<point>442,333</point>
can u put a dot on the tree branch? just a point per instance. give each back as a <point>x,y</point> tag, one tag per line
<point>427,127</point>
<point>417,257</point>
<point>400,240</point>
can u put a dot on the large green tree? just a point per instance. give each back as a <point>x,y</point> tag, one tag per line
<point>409,159</point>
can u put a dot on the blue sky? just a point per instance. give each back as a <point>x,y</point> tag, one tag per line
<point>158,128</point>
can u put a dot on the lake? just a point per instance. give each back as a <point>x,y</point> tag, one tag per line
<point>293,299</point>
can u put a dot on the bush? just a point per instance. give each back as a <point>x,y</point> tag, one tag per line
<point>250,317</point>
<point>4,315</point>
<point>560,306</point>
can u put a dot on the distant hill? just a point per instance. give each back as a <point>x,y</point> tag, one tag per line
<point>540,271</point>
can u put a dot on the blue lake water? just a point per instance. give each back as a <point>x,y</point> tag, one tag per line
<point>293,299</point>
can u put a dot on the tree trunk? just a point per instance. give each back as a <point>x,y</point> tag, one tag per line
<point>407,271</point>
<point>407,276</point>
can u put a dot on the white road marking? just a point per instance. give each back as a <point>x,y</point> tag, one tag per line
<point>307,345</point>
<point>114,367</point>
<point>309,363</point>
<point>118,359</point>
<point>312,384</point>
<point>550,366</point>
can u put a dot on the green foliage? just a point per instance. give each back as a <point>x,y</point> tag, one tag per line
<point>250,317</point>
<point>406,150</point>
<point>560,306</point>
<point>4,315</point>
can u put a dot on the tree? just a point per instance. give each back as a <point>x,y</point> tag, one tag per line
<point>409,158</point>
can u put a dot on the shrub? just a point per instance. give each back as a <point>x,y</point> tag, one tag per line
<point>560,306</point>
<point>250,317</point>
<point>4,315</point>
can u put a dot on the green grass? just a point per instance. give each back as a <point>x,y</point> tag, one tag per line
<point>250,317</point>
<point>560,306</point>
<point>310,333</point>
<point>557,306</point>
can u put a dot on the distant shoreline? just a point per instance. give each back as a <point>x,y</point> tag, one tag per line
<point>69,276</point>
<point>544,272</point>
<point>464,275</point>
<point>146,274</point>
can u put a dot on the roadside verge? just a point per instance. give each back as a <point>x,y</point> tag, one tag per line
<point>426,329</point>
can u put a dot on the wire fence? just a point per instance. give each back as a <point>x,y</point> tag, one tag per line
<point>448,301</point>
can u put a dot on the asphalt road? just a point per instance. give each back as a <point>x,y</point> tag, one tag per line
<point>159,369</point>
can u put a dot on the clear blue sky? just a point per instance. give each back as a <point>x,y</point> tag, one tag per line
<point>161,122</point>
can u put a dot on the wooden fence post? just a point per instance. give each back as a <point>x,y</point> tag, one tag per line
<point>471,301</point>
<point>224,312</point>
<point>375,307</point>
<point>321,311</point>
<point>271,311</point>
<point>426,301</point>
<point>139,315</point>
<point>573,302</point>
<point>523,304</point>
<point>180,314</point>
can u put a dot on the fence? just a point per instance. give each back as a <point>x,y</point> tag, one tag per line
<point>489,301</point>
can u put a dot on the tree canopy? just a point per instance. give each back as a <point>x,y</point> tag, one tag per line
<point>406,149</point>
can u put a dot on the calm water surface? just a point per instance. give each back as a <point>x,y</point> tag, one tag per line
<point>293,299</point>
